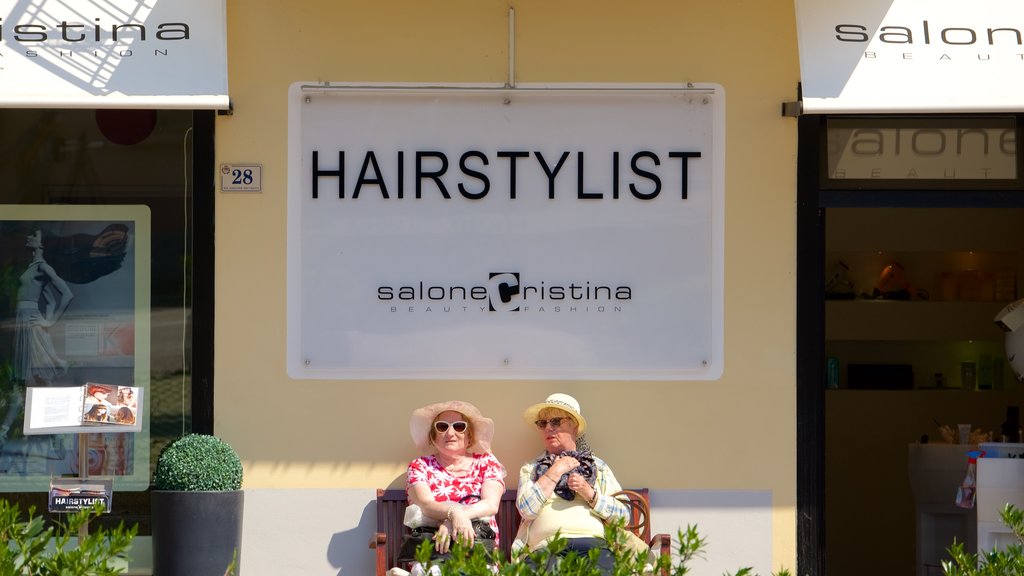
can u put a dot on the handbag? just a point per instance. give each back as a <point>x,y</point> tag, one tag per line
<point>483,535</point>
<point>411,541</point>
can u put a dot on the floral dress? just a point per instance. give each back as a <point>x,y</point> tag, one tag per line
<point>447,487</point>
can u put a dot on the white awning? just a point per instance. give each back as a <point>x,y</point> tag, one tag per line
<point>887,56</point>
<point>113,54</point>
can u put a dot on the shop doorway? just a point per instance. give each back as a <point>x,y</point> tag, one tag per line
<point>898,287</point>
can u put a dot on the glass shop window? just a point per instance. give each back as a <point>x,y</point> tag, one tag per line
<point>906,153</point>
<point>96,223</point>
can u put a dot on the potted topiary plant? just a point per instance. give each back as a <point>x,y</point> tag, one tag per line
<point>197,507</point>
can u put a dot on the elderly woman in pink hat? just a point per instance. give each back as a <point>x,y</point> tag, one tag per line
<point>458,484</point>
<point>566,489</point>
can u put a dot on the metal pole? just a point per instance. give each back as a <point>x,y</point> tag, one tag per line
<point>511,47</point>
<point>83,473</point>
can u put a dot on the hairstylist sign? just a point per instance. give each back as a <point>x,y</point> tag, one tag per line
<point>557,233</point>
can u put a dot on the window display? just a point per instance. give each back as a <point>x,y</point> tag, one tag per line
<point>97,239</point>
<point>80,292</point>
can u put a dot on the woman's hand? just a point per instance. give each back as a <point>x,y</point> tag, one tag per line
<point>578,484</point>
<point>42,321</point>
<point>562,465</point>
<point>462,526</point>
<point>442,538</point>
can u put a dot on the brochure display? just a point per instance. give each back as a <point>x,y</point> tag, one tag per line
<point>83,409</point>
<point>74,494</point>
<point>94,407</point>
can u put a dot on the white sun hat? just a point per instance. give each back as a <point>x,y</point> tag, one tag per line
<point>562,402</point>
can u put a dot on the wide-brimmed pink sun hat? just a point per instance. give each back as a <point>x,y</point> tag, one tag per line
<point>423,418</point>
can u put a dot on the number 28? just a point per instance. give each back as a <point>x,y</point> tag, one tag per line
<point>241,176</point>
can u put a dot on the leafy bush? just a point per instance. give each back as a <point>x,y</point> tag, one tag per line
<point>198,463</point>
<point>1006,562</point>
<point>478,562</point>
<point>27,547</point>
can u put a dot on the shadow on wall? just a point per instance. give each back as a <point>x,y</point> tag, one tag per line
<point>308,531</point>
<point>353,544</point>
<point>351,548</point>
<point>736,523</point>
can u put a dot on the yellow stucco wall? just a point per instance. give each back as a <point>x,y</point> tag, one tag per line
<point>737,433</point>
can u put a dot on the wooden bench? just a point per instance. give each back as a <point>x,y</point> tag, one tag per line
<point>391,506</point>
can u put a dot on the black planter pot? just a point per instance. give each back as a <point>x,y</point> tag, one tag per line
<point>196,533</point>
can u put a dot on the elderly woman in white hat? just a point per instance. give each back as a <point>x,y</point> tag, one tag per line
<point>566,489</point>
<point>458,483</point>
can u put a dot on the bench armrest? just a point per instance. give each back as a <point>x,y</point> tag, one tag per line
<point>661,544</point>
<point>378,542</point>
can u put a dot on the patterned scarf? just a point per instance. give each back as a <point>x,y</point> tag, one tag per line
<point>587,469</point>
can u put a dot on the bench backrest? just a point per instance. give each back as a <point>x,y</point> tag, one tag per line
<point>391,506</point>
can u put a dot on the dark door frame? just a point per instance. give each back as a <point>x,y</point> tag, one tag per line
<point>810,351</point>
<point>204,203</point>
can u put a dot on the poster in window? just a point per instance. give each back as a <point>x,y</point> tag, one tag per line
<point>74,310</point>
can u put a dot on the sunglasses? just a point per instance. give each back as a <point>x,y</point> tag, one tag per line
<point>441,426</point>
<point>555,422</point>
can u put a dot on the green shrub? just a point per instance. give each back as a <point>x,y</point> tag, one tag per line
<point>198,463</point>
<point>27,547</point>
<point>1006,562</point>
<point>478,562</point>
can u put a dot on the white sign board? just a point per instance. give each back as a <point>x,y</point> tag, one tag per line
<point>544,233</point>
<point>241,177</point>
<point>911,55</point>
<point>113,54</point>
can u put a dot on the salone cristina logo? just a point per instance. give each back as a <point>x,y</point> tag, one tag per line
<point>65,32</point>
<point>505,292</point>
<point>930,32</point>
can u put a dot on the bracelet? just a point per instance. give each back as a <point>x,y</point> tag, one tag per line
<point>593,500</point>
<point>448,516</point>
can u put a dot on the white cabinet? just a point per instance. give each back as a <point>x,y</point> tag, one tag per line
<point>1000,482</point>
<point>936,471</point>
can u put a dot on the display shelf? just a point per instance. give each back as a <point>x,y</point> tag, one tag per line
<point>935,364</point>
<point>957,268</point>
<point>888,320</point>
